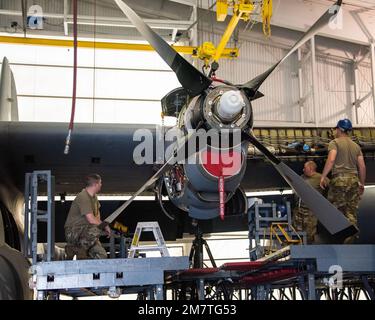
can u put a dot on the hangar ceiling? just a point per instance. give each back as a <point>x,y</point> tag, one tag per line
<point>166,15</point>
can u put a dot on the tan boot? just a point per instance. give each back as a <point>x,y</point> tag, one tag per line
<point>80,253</point>
<point>70,251</point>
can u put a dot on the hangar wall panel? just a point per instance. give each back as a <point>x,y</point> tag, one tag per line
<point>281,89</point>
<point>123,79</point>
<point>127,85</point>
<point>366,109</point>
<point>307,89</point>
<point>334,90</point>
<point>47,5</point>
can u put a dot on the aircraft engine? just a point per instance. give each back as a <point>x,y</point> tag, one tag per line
<point>195,185</point>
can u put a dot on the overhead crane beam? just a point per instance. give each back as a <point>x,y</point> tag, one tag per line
<point>227,52</point>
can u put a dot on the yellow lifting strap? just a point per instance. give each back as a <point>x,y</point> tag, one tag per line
<point>221,9</point>
<point>266,17</point>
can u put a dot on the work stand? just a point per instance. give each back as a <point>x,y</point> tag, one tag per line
<point>196,257</point>
<point>270,230</point>
<point>82,278</point>
<point>39,183</point>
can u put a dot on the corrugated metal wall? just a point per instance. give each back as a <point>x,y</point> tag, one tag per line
<point>307,88</point>
<point>47,5</point>
<point>100,8</point>
<point>333,91</point>
<point>366,109</point>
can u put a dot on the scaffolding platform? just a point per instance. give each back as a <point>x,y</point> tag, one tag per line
<point>108,276</point>
<point>332,271</point>
<point>307,269</point>
<point>314,271</point>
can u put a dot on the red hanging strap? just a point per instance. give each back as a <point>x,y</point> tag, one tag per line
<point>74,96</point>
<point>222,197</point>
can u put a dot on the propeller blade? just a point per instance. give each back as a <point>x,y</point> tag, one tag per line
<point>148,184</point>
<point>329,216</point>
<point>190,78</point>
<point>166,166</point>
<point>257,95</point>
<point>253,85</point>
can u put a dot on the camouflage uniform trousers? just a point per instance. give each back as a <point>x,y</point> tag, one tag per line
<point>344,194</point>
<point>305,220</point>
<point>83,241</point>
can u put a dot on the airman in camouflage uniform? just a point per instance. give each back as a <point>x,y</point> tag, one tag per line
<point>83,241</point>
<point>344,195</point>
<point>346,161</point>
<point>83,226</point>
<point>303,218</point>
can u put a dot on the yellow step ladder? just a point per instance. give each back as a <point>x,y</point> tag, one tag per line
<point>286,238</point>
<point>153,227</point>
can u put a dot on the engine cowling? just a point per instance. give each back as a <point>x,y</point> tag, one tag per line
<point>194,186</point>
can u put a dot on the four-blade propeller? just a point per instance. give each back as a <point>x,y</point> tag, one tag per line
<point>195,83</point>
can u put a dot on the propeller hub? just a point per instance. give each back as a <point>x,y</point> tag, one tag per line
<point>226,107</point>
<point>230,105</point>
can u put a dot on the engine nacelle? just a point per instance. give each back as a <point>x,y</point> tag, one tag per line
<point>194,186</point>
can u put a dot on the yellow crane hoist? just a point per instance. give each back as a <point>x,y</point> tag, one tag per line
<point>266,17</point>
<point>241,10</point>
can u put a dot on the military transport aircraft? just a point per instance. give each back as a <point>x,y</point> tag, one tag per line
<point>223,106</point>
<point>201,189</point>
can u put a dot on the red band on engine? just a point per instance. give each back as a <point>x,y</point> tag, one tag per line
<point>222,163</point>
